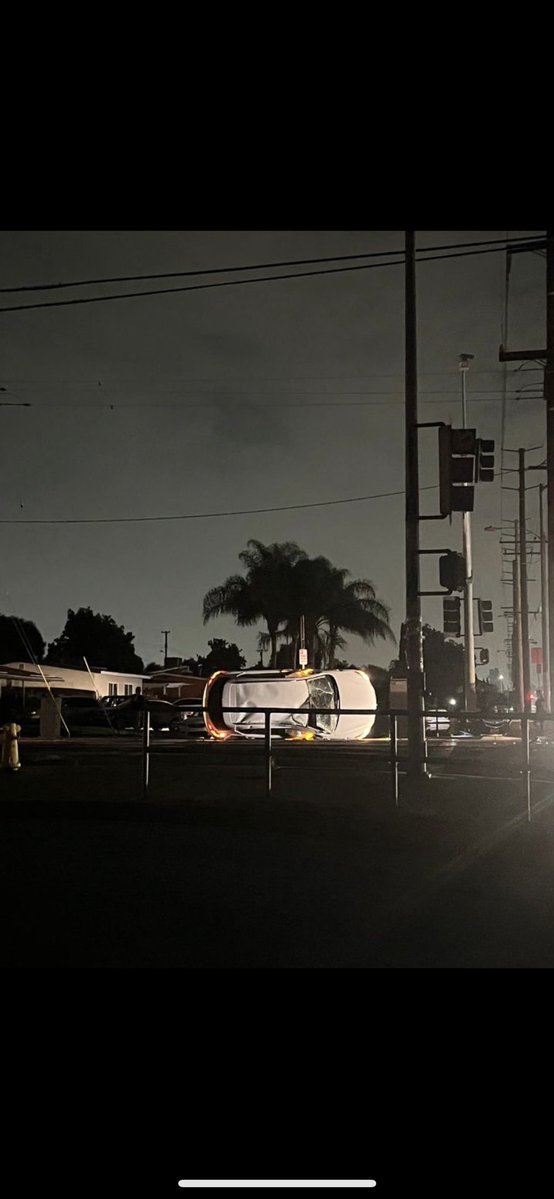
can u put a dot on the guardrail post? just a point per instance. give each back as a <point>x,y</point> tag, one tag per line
<point>526,764</point>
<point>145,753</point>
<point>394,756</point>
<point>268,752</point>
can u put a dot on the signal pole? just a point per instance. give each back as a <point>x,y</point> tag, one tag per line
<point>545,633</point>
<point>165,635</point>
<point>549,397</point>
<point>469,640</point>
<point>417,750</point>
<point>524,594</point>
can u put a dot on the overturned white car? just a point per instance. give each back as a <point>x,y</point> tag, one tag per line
<point>296,691</point>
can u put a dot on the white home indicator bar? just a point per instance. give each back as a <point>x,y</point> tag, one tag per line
<point>281,1182</point>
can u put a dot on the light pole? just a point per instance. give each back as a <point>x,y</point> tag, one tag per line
<point>469,641</point>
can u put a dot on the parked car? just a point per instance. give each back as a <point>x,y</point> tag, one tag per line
<point>189,718</point>
<point>296,691</point>
<point>129,714</point>
<point>437,726</point>
<point>84,712</point>
<point>26,715</point>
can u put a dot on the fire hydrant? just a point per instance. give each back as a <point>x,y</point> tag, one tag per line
<point>10,748</point>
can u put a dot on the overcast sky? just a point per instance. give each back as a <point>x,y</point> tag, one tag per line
<point>215,398</point>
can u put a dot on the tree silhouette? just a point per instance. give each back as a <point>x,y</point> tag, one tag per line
<point>20,640</point>
<point>223,655</point>
<point>99,639</point>
<point>444,665</point>
<point>281,585</point>
<point>263,594</point>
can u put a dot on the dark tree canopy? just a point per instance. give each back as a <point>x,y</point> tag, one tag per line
<point>281,586</point>
<point>99,639</point>
<point>14,634</point>
<point>444,665</point>
<point>223,655</point>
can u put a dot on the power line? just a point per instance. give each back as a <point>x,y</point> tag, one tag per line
<point>237,282</point>
<point>206,401</point>
<point>111,520</point>
<point>116,407</point>
<point>85,385</point>
<point>216,270</point>
<point>221,270</point>
<point>240,391</point>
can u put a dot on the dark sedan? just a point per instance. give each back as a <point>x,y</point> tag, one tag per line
<point>189,718</point>
<point>130,714</point>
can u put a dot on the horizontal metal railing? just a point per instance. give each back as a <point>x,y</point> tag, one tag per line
<point>524,718</point>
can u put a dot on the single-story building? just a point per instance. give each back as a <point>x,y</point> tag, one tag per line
<point>173,683</point>
<point>63,680</point>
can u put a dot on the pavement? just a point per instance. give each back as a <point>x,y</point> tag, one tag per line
<point>211,872</point>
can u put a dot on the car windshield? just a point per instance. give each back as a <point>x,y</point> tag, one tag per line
<point>323,693</point>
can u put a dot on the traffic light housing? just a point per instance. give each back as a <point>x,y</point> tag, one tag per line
<point>484,463</point>
<point>485,616</point>
<point>451,617</point>
<point>457,458</point>
<point>483,657</point>
<point>452,571</point>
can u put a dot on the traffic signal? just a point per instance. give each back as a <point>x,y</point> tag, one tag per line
<point>484,465</point>
<point>451,616</point>
<point>452,571</point>
<point>484,657</point>
<point>485,615</point>
<point>457,454</point>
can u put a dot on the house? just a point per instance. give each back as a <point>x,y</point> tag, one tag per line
<point>175,682</point>
<point>62,680</point>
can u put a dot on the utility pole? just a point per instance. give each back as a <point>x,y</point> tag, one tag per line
<point>469,641</point>
<point>548,356</point>
<point>524,595</point>
<point>417,750</point>
<point>549,397</point>
<point>545,634</point>
<point>165,635</point>
<point>517,656</point>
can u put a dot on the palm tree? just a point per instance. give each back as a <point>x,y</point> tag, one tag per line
<point>263,594</point>
<point>282,584</point>
<point>232,598</point>
<point>330,605</point>
<point>354,608</point>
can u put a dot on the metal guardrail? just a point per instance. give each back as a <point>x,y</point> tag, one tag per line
<point>525,719</point>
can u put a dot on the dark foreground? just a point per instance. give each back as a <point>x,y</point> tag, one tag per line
<point>209,872</point>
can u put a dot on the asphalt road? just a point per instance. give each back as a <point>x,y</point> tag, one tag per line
<point>211,872</point>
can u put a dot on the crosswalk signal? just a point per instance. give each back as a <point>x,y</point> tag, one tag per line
<point>457,455</point>
<point>451,617</point>
<point>484,657</point>
<point>484,464</point>
<point>485,616</point>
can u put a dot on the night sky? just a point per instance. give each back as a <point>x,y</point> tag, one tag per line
<point>276,393</point>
